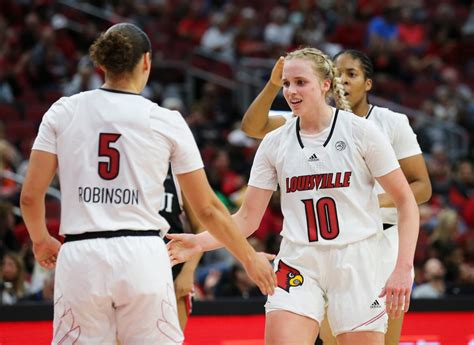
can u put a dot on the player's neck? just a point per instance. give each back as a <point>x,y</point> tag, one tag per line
<point>361,109</point>
<point>317,121</point>
<point>123,84</point>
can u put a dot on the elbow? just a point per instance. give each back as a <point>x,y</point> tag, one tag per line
<point>205,213</point>
<point>425,194</point>
<point>248,130</point>
<point>27,199</point>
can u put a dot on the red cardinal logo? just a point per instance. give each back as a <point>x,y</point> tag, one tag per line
<point>288,276</point>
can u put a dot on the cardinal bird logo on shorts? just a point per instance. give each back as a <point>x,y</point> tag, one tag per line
<point>288,276</point>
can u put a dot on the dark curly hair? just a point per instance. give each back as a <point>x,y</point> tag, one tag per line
<point>119,49</point>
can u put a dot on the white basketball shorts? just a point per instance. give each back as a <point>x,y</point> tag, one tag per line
<point>345,279</point>
<point>117,288</point>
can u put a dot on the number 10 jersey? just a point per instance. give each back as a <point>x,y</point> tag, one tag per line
<point>326,180</point>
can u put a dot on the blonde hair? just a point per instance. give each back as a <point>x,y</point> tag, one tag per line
<point>325,69</point>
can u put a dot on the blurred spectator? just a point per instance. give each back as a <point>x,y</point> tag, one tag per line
<point>31,32</point>
<point>219,38</point>
<point>237,284</point>
<point>462,185</point>
<point>435,286</point>
<point>174,103</point>
<point>47,65</point>
<point>43,290</point>
<point>6,90</point>
<point>8,241</point>
<point>12,279</point>
<point>312,31</point>
<point>439,169</point>
<point>194,24</point>
<point>411,31</point>
<point>444,236</point>
<point>382,30</point>
<point>278,33</point>
<point>468,27</point>
<point>272,220</point>
<point>85,79</point>
<point>248,39</point>
<point>209,117</point>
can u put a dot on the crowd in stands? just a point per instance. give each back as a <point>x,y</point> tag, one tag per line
<point>423,54</point>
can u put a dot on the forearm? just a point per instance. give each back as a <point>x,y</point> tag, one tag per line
<point>208,242</point>
<point>408,228</point>
<point>421,191</point>
<point>222,230</point>
<point>33,213</point>
<point>255,119</point>
<point>190,265</point>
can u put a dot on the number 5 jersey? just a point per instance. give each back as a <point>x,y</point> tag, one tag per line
<point>119,145</point>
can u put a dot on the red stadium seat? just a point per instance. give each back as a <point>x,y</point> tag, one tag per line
<point>9,112</point>
<point>19,130</point>
<point>34,112</point>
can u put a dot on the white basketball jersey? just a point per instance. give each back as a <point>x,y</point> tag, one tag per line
<point>113,151</point>
<point>397,130</point>
<point>326,180</point>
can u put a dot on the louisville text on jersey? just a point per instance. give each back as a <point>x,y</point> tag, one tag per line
<point>101,195</point>
<point>318,181</point>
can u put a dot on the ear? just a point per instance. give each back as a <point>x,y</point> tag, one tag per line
<point>326,85</point>
<point>368,85</point>
<point>147,61</point>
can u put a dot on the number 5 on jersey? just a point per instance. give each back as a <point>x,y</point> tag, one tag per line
<point>326,213</point>
<point>110,169</point>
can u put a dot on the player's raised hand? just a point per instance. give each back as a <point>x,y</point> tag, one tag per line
<point>182,247</point>
<point>277,72</point>
<point>46,252</point>
<point>398,291</point>
<point>261,272</point>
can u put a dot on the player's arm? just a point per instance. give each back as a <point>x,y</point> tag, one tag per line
<point>398,287</point>
<point>185,279</point>
<point>414,169</point>
<point>216,218</point>
<point>41,170</point>
<point>247,218</point>
<point>256,122</point>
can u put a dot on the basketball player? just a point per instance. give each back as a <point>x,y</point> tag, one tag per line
<point>112,148</point>
<point>325,161</point>
<point>356,73</point>
<point>172,209</point>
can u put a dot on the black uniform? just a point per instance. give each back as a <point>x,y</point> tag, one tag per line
<point>171,210</point>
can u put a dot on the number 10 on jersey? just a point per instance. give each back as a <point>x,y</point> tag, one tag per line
<point>326,214</point>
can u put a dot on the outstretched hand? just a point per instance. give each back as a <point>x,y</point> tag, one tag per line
<point>261,272</point>
<point>182,247</point>
<point>277,72</point>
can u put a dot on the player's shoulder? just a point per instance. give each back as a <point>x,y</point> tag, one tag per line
<point>349,119</point>
<point>387,115</point>
<point>281,131</point>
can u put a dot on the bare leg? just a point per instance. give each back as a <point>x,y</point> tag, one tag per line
<point>360,338</point>
<point>325,333</point>
<point>287,328</point>
<point>182,311</point>
<point>392,337</point>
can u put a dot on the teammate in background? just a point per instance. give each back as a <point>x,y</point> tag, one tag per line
<point>356,74</point>
<point>325,161</point>
<point>112,148</point>
<point>172,208</point>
